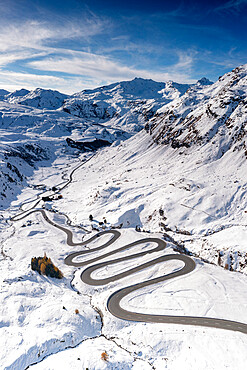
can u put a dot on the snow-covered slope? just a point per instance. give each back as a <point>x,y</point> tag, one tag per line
<point>11,97</point>
<point>191,199</point>
<point>126,185</point>
<point>213,117</point>
<point>30,119</point>
<point>38,98</point>
<point>128,104</point>
<point>192,168</point>
<point>185,183</point>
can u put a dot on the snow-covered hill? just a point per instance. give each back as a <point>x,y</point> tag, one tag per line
<point>38,98</point>
<point>3,93</point>
<point>11,97</point>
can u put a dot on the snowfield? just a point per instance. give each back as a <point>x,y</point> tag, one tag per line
<point>39,316</point>
<point>130,185</point>
<point>148,183</point>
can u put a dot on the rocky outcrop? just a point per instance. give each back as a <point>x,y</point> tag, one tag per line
<point>215,114</point>
<point>86,146</point>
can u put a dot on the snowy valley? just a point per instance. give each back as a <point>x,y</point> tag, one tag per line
<point>151,160</point>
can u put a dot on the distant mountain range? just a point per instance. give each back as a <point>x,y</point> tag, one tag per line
<point>103,102</point>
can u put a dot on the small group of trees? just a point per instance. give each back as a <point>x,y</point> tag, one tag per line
<point>100,222</point>
<point>104,356</point>
<point>44,266</point>
<point>52,197</point>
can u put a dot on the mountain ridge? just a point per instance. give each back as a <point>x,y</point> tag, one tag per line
<point>216,113</point>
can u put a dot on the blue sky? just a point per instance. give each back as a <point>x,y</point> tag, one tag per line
<point>73,45</point>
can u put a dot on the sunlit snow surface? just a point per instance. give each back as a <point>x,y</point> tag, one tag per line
<point>35,324</point>
<point>203,199</point>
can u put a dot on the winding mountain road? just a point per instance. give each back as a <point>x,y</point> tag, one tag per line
<point>61,186</point>
<point>113,303</point>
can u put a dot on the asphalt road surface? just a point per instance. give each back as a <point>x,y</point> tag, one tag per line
<point>113,303</point>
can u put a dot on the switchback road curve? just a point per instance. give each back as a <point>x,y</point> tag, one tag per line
<point>113,303</point>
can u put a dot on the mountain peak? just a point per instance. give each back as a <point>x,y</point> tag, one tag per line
<point>4,92</point>
<point>17,93</point>
<point>204,81</point>
<point>38,98</point>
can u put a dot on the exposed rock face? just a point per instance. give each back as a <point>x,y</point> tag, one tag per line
<point>215,114</point>
<point>89,109</point>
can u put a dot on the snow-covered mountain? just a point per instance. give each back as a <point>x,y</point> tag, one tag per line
<point>3,93</point>
<point>11,97</point>
<point>213,117</point>
<point>171,164</point>
<point>44,119</point>
<point>127,105</point>
<point>38,98</point>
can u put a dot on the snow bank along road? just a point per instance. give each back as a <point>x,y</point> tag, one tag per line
<point>114,300</point>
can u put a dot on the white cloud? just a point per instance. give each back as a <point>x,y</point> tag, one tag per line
<point>84,64</point>
<point>13,81</point>
<point>185,60</point>
<point>106,70</point>
<point>232,5</point>
<point>34,34</point>
<point>10,57</point>
<point>33,39</point>
<point>16,80</point>
<point>37,45</point>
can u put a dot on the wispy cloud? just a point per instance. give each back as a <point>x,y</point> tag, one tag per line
<point>228,59</point>
<point>17,80</point>
<point>185,59</point>
<point>10,80</point>
<point>234,6</point>
<point>32,40</point>
<point>105,69</point>
<point>40,46</point>
<point>34,34</point>
<point>83,64</point>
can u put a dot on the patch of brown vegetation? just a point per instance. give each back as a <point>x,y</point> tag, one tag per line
<point>44,266</point>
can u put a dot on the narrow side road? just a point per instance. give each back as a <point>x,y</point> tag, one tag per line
<point>60,187</point>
